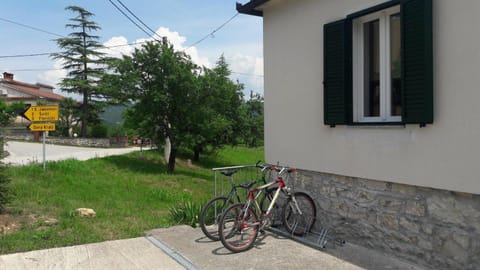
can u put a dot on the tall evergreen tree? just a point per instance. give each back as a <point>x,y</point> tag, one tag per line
<point>85,64</point>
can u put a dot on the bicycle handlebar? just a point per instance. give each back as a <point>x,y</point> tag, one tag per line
<point>280,170</point>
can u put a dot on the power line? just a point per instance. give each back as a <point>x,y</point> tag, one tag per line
<point>23,55</point>
<point>54,69</point>
<point>31,27</point>
<point>130,19</point>
<point>247,74</point>
<point>138,19</point>
<point>213,32</point>
<point>48,53</point>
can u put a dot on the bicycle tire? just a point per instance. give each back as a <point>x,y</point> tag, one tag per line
<point>295,223</point>
<point>237,234</point>
<point>210,216</point>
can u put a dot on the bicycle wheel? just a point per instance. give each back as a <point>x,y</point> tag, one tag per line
<point>210,216</point>
<point>294,222</point>
<point>238,230</point>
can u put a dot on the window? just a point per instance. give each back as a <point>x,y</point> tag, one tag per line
<point>378,66</point>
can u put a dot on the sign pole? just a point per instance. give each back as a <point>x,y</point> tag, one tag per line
<point>44,151</point>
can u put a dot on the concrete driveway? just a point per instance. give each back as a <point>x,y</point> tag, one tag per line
<point>23,153</point>
<point>182,247</point>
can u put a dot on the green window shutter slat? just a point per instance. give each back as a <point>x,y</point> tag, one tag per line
<point>337,77</point>
<point>417,62</point>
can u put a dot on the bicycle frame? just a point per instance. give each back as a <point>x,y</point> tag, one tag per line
<point>251,197</point>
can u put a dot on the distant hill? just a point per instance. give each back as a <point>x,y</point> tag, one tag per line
<point>113,115</point>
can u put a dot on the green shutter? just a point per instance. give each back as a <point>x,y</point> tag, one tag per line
<point>417,62</point>
<point>337,72</point>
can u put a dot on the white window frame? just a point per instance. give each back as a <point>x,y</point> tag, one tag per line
<point>385,67</point>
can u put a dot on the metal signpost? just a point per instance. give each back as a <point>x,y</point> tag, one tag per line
<point>36,114</point>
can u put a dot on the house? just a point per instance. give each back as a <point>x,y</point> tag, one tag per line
<point>375,102</point>
<point>16,91</point>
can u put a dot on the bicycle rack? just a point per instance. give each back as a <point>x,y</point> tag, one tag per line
<point>316,238</point>
<point>313,238</point>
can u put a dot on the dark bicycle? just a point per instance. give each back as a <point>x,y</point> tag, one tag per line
<point>213,209</point>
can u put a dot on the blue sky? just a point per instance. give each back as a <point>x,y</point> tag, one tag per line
<point>182,21</point>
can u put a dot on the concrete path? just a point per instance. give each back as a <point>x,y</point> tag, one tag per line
<point>271,252</point>
<point>23,153</point>
<point>136,253</point>
<point>182,247</point>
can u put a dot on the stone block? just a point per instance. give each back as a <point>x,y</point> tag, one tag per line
<point>391,204</point>
<point>389,221</point>
<point>374,185</point>
<point>404,189</point>
<point>454,251</point>
<point>444,209</point>
<point>409,226</point>
<point>415,208</point>
<point>427,228</point>
<point>85,212</point>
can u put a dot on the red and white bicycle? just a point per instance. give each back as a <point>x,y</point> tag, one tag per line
<point>240,223</point>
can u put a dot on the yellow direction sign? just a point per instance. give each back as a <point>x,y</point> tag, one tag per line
<point>41,113</point>
<point>42,127</point>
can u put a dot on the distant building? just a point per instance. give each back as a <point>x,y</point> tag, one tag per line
<point>16,91</point>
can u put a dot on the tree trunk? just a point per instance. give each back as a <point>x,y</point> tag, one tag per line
<point>85,93</point>
<point>167,149</point>
<point>196,152</point>
<point>83,131</point>
<point>171,160</point>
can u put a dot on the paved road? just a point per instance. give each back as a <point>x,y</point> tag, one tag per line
<point>23,153</point>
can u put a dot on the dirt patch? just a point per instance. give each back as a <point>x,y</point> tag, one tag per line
<point>9,224</point>
<point>12,223</point>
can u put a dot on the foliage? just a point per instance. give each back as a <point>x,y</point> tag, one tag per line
<point>186,212</point>
<point>218,119</point>
<point>130,193</point>
<point>252,133</point>
<point>84,62</point>
<point>160,83</point>
<point>69,116</point>
<point>99,131</point>
<point>5,191</point>
<point>8,112</point>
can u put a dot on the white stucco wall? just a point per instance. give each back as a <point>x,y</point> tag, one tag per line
<point>444,155</point>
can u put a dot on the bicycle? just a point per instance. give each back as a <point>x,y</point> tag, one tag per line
<point>239,225</point>
<point>214,208</point>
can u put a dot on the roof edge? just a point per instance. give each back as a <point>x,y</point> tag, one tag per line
<point>250,7</point>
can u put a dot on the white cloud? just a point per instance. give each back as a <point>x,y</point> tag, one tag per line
<point>117,47</point>
<point>54,76</point>
<point>179,44</point>
<point>246,68</point>
<point>249,70</point>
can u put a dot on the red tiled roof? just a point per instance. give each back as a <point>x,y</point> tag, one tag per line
<point>31,89</point>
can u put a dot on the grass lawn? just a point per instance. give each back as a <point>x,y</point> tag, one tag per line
<point>130,194</point>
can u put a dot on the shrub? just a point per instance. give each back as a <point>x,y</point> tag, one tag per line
<point>5,192</point>
<point>99,131</point>
<point>186,212</point>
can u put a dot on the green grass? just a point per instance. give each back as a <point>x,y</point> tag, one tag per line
<point>130,194</point>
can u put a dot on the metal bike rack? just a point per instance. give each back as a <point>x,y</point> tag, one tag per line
<point>313,238</point>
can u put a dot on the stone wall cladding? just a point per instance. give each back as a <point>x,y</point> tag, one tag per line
<point>435,228</point>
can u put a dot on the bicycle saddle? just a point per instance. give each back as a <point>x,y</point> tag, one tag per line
<point>228,172</point>
<point>248,185</point>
